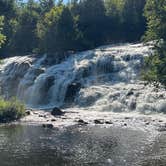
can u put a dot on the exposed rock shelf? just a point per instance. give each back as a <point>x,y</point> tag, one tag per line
<point>151,123</point>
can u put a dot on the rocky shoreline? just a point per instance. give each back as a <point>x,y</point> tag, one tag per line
<point>149,123</point>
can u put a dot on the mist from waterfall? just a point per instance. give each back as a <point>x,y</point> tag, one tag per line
<point>103,79</point>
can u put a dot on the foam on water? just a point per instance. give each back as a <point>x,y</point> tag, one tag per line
<point>109,79</point>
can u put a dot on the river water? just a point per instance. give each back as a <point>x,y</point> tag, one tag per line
<point>80,146</point>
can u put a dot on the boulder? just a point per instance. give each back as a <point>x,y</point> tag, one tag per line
<point>109,122</point>
<point>28,112</point>
<point>99,121</point>
<point>71,92</point>
<point>130,93</point>
<point>82,122</point>
<point>57,112</point>
<point>50,126</point>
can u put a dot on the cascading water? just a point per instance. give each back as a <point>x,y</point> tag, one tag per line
<point>105,79</point>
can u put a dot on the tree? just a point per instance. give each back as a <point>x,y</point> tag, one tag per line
<point>56,31</point>
<point>8,10</point>
<point>91,22</point>
<point>46,5</point>
<point>2,37</point>
<point>134,22</point>
<point>155,12</point>
<point>25,40</point>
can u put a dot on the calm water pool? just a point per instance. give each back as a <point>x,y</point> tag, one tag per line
<point>22,145</point>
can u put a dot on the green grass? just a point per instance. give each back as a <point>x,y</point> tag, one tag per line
<point>11,110</point>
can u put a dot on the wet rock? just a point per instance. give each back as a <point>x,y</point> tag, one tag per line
<point>147,123</point>
<point>127,118</point>
<point>28,112</point>
<point>108,122</point>
<point>50,126</point>
<point>72,90</point>
<point>130,93</point>
<point>82,122</point>
<point>125,124</point>
<point>132,104</point>
<point>53,120</point>
<point>162,128</point>
<point>99,121</point>
<point>57,112</point>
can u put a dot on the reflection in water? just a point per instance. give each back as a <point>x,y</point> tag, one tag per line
<point>79,146</point>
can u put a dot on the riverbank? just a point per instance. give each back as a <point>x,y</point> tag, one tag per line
<point>155,122</point>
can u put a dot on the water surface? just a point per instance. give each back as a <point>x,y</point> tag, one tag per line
<point>78,146</point>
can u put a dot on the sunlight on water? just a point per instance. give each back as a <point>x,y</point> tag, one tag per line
<point>30,145</point>
<point>104,79</point>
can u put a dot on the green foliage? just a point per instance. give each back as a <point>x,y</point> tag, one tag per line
<point>24,38</point>
<point>155,12</point>
<point>126,20</point>
<point>92,22</point>
<point>11,110</point>
<point>49,26</point>
<point>46,5</point>
<point>57,30</point>
<point>2,37</point>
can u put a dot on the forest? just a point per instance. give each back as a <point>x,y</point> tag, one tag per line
<point>55,27</point>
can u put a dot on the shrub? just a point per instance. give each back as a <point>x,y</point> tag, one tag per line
<point>11,110</point>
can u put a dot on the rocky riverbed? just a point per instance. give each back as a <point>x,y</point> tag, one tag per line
<point>151,123</point>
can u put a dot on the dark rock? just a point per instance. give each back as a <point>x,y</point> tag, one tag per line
<point>108,122</point>
<point>125,124</point>
<point>80,121</point>
<point>133,105</point>
<point>98,121</point>
<point>50,126</point>
<point>147,123</point>
<point>130,93</point>
<point>127,118</point>
<point>53,120</point>
<point>57,112</point>
<point>28,112</point>
<point>71,92</point>
<point>162,128</point>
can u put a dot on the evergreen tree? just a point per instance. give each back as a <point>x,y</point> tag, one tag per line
<point>155,12</point>
<point>2,37</point>
<point>25,40</point>
<point>91,22</point>
<point>56,31</point>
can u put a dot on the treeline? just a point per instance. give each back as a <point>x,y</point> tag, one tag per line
<point>46,26</point>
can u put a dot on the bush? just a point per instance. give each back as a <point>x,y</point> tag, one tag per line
<point>11,110</point>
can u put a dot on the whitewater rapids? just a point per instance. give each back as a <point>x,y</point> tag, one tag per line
<point>104,79</point>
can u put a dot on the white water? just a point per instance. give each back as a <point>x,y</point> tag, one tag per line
<point>109,78</point>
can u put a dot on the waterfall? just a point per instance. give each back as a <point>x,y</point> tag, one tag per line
<point>104,79</point>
